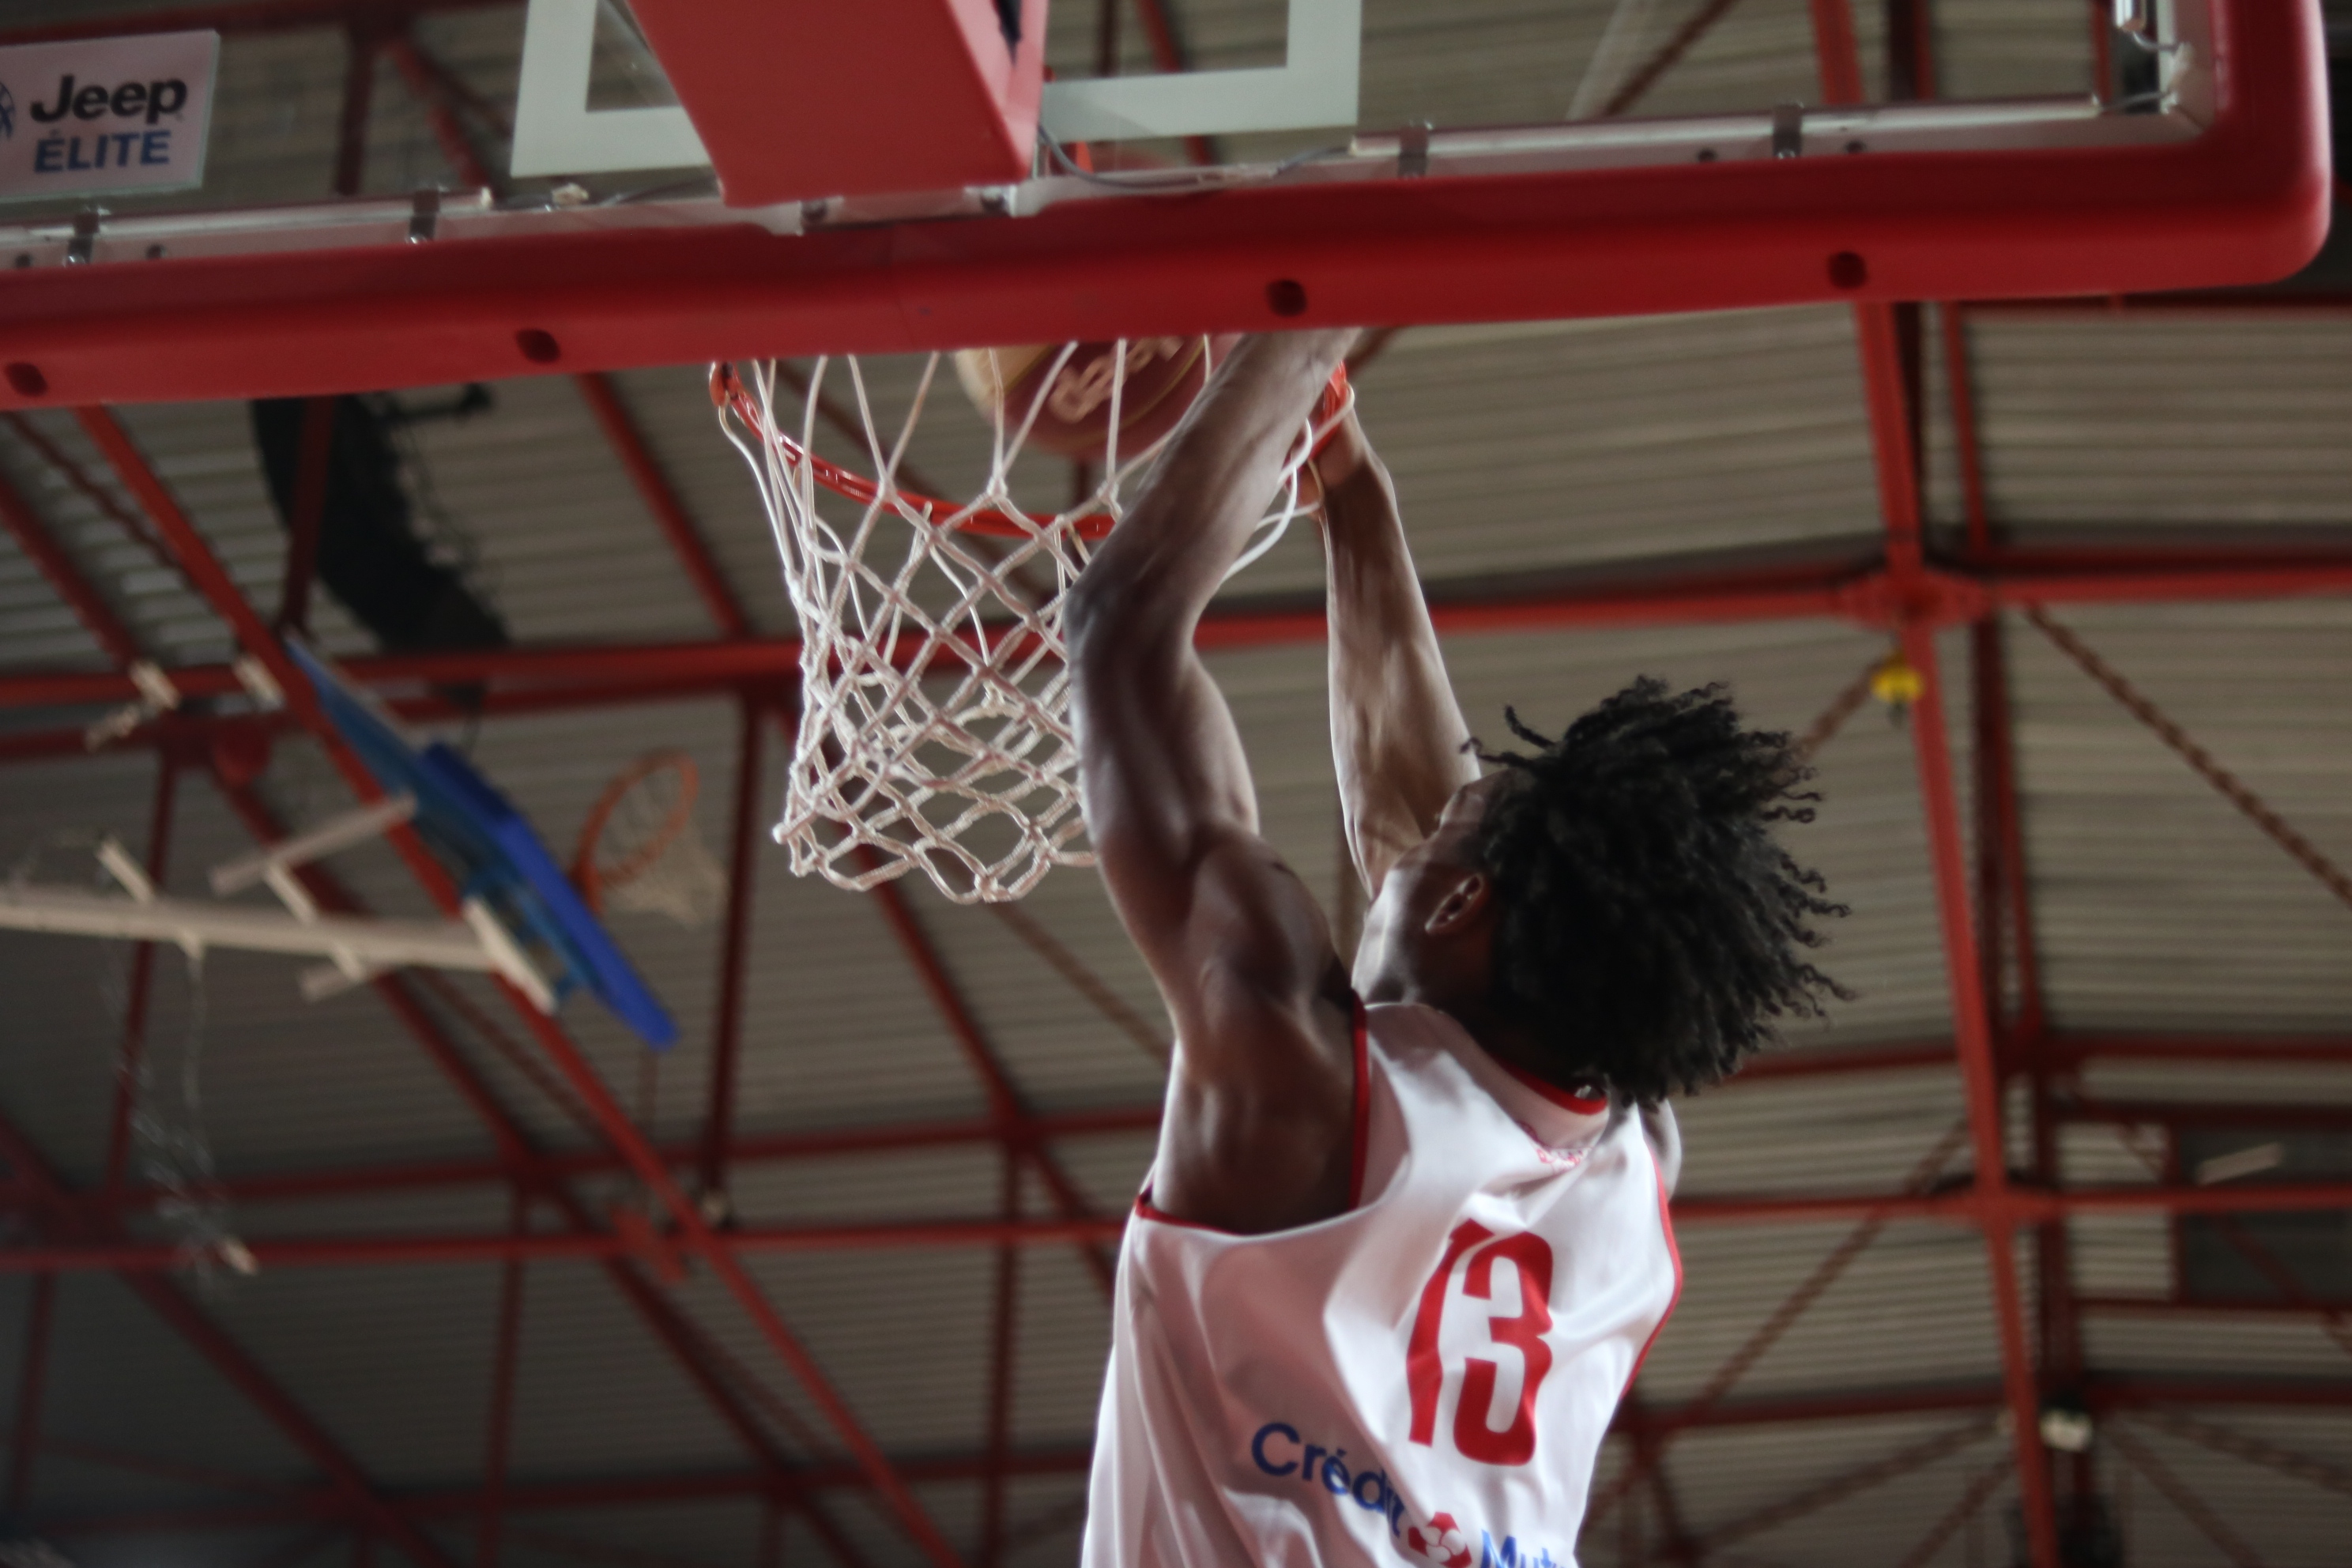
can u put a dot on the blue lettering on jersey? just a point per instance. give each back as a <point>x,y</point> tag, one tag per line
<point>1278,1449</point>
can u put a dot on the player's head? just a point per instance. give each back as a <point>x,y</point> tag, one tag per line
<point>1614,897</point>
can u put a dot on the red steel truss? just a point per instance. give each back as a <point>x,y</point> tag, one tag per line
<point>1985,917</point>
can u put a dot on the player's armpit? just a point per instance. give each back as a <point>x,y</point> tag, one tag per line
<point>1260,1124</point>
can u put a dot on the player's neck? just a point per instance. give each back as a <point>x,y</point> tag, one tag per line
<point>1504,1039</point>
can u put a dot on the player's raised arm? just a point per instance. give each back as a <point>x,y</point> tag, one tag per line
<point>1398,738</point>
<point>1257,1134</point>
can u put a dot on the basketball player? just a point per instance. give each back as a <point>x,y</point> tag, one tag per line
<point>1405,1241</point>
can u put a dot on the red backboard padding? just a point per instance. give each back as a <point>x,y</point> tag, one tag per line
<point>2247,201</point>
<point>800,99</point>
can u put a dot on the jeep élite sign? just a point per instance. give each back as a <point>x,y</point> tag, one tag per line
<point>101,115</point>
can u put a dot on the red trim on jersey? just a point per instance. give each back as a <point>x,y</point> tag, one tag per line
<point>1144,1210</point>
<point>1359,1127</point>
<point>1568,1100</point>
<point>1665,1224</point>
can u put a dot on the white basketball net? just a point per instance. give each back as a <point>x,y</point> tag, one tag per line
<point>641,850</point>
<point>934,696</point>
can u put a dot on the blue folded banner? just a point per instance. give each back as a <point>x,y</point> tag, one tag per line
<point>493,850</point>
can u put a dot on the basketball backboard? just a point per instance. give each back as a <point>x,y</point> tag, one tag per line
<point>556,132</point>
<point>493,848</point>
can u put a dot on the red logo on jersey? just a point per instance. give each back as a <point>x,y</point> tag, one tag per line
<point>1440,1541</point>
<point>1523,1331</point>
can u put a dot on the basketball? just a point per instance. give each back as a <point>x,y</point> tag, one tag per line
<point>1072,397</point>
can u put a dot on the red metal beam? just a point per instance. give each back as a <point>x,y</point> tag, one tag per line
<point>1645,76</point>
<point>2187,1502</point>
<point>132,1052</point>
<point>1004,1336</point>
<point>1980,1080</point>
<point>213,583</point>
<point>2011,1207</point>
<point>48,557</point>
<point>2216,304</point>
<point>32,1381</point>
<point>1876,1472</point>
<point>2232,788</point>
<point>359,97</point>
<point>2003,895</point>
<point>2103,1394</point>
<point>359,1495</point>
<point>505,1363</point>
<point>706,1365</point>
<point>541,679</point>
<point>2322,1049</point>
<point>1004,1103</point>
<point>661,498</point>
<point>429,83</point>
<point>2318,1116</point>
<point>1053,1127</point>
<point>734,953</point>
<point>314,469</point>
<point>1896,463</point>
<point>2247,201</point>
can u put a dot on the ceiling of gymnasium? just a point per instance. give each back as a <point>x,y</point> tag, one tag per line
<point>1830,1389</point>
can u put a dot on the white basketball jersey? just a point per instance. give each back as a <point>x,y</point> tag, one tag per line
<point>1423,1380</point>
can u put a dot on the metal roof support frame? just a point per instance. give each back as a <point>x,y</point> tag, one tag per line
<point>505,1358</point>
<point>106,627</point>
<point>313,470</point>
<point>130,1054</point>
<point>521,1164</point>
<point>734,953</point>
<point>359,1495</point>
<point>119,1254</point>
<point>2002,899</point>
<point>2107,1396</point>
<point>549,678</point>
<point>213,585</point>
<point>358,96</point>
<point>1892,427</point>
<point>539,1170</point>
<point>429,83</point>
<point>32,1382</point>
<point>1004,1101</point>
<point>1004,1339</point>
<point>661,497</point>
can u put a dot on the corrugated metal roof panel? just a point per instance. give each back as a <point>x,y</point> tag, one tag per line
<point>1731,1483</point>
<point>1930,1279</point>
<point>2156,902</point>
<point>2162,423</point>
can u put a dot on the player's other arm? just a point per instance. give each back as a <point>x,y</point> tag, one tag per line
<point>1398,737</point>
<point>1258,1131</point>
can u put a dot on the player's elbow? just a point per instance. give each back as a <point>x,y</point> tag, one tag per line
<point>1104,621</point>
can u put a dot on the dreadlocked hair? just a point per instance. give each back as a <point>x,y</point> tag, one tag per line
<point>1651,929</point>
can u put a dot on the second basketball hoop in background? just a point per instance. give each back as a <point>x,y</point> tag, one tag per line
<point>640,849</point>
<point>934,701</point>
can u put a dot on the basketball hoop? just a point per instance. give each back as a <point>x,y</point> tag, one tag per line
<point>934,698</point>
<point>640,849</point>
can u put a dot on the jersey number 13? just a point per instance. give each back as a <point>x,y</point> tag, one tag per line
<point>1524,1332</point>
